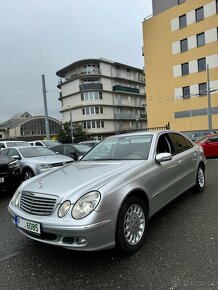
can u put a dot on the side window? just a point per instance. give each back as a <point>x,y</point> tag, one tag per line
<point>69,150</point>
<point>2,145</point>
<point>4,152</point>
<point>13,152</point>
<point>163,145</point>
<point>214,139</point>
<point>38,144</point>
<point>180,142</point>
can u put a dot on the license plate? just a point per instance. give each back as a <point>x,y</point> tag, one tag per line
<point>2,179</point>
<point>27,225</point>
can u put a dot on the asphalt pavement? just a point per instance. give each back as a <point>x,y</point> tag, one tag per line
<point>180,252</point>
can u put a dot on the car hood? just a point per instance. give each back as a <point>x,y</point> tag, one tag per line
<point>48,159</point>
<point>76,179</point>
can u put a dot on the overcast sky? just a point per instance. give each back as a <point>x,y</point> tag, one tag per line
<point>43,36</point>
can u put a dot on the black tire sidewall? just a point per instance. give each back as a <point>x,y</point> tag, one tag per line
<point>121,242</point>
<point>198,187</point>
<point>25,171</point>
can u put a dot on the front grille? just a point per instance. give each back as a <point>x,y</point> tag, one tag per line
<point>3,167</point>
<point>57,164</point>
<point>61,163</point>
<point>37,204</point>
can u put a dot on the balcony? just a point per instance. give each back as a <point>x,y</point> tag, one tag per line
<point>118,88</point>
<point>90,86</point>
<point>127,116</point>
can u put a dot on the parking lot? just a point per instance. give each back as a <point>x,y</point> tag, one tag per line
<point>180,252</point>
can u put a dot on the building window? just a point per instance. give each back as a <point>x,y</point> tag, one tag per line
<point>199,14</point>
<point>181,1</point>
<point>202,89</point>
<point>201,64</point>
<point>183,45</point>
<point>182,21</point>
<point>185,69</point>
<point>93,124</point>
<point>87,96</point>
<point>186,92</point>
<point>200,39</point>
<point>92,110</point>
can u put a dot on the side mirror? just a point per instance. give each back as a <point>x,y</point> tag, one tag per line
<point>16,157</point>
<point>162,157</point>
<point>208,142</point>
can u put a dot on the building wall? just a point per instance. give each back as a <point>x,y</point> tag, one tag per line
<point>111,111</point>
<point>163,60</point>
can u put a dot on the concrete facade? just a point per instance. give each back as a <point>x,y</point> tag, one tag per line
<point>179,43</point>
<point>106,96</point>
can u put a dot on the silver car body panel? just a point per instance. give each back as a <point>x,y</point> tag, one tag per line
<point>159,183</point>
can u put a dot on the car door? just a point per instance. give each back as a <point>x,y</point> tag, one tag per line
<point>188,157</point>
<point>165,181</point>
<point>211,148</point>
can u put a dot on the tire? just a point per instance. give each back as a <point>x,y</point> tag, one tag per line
<point>131,225</point>
<point>200,179</point>
<point>27,174</point>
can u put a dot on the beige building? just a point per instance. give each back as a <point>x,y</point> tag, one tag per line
<point>107,97</point>
<point>181,59</point>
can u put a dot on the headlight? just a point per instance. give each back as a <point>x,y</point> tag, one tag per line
<point>16,198</point>
<point>64,208</point>
<point>85,205</point>
<point>13,164</point>
<point>44,165</point>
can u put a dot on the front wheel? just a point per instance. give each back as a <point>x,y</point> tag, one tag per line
<point>27,174</point>
<point>200,179</point>
<point>131,225</point>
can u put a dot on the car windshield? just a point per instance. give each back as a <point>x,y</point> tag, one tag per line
<point>35,152</point>
<point>81,148</point>
<point>50,144</point>
<point>17,143</point>
<point>121,148</point>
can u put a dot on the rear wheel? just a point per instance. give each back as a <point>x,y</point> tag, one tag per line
<point>131,225</point>
<point>200,179</point>
<point>27,174</point>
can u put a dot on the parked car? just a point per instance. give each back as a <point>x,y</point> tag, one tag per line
<point>45,143</point>
<point>210,145</point>
<point>194,136</point>
<point>35,160</point>
<point>6,144</point>
<point>74,151</point>
<point>90,143</point>
<point>107,198</point>
<point>10,173</point>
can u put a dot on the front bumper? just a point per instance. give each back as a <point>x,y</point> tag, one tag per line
<point>93,236</point>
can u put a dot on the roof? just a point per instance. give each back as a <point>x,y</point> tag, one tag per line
<point>19,119</point>
<point>62,72</point>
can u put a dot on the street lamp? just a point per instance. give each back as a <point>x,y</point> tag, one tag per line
<point>71,123</point>
<point>137,122</point>
<point>209,110</point>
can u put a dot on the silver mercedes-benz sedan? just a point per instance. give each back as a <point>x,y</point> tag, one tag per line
<point>107,198</point>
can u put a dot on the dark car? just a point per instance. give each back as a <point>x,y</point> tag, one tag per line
<point>10,173</point>
<point>72,150</point>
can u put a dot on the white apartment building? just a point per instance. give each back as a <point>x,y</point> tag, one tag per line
<point>107,97</point>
